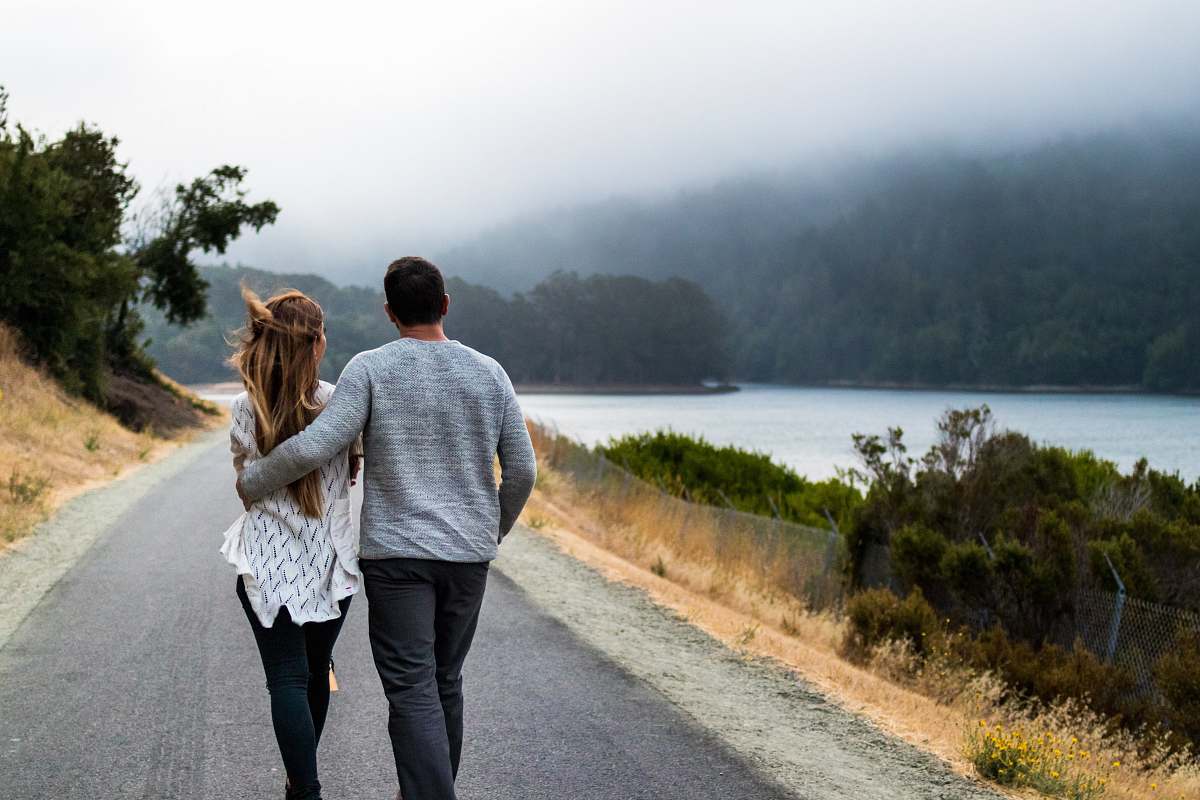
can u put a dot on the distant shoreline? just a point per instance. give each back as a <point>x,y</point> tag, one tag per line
<point>623,388</point>
<point>233,387</point>
<point>994,388</point>
<point>224,388</point>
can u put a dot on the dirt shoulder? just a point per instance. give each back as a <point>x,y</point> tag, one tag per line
<point>764,712</point>
<point>54,446</point>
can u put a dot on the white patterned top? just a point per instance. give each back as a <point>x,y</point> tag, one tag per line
<point>285,558</point>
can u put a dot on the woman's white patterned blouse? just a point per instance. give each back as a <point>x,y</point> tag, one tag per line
<point>285,559</point>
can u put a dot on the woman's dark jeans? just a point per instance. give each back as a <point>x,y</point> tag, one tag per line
<point>296,661</point>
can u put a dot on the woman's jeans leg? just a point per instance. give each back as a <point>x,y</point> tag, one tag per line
<point>295,659</point>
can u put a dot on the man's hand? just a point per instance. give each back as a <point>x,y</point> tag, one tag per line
<point>355,466</point>
<point>247,501</point>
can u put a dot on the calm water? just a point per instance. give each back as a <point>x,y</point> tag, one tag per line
<point>810,429</point>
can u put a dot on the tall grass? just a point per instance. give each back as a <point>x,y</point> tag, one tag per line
<point>51,443</point>
<point>793,559</point>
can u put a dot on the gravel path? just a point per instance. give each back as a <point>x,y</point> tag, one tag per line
<point>765,713</point>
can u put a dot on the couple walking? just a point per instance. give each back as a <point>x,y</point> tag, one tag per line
<point>430,416</point>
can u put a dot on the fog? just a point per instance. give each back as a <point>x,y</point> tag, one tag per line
<point>392,128</point>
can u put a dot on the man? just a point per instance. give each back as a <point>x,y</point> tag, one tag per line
<point>434,414</point>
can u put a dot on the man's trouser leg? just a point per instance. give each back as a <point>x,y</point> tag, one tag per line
<point>459,597</point>
<point>422,617</point>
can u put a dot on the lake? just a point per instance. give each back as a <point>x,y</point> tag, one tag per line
<point>809,429</point>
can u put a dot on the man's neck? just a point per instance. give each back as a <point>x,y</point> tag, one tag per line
<point>425,333</point>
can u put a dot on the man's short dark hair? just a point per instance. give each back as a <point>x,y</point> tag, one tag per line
<point>414,289</point>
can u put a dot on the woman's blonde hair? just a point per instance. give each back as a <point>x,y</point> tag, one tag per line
<point>276,359</point>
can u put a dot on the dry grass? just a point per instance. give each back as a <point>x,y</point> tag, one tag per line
<point>729,590</point>
<point>53,446</point>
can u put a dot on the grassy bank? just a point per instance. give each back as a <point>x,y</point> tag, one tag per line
<point>739,589</point>
<point>54,445</point>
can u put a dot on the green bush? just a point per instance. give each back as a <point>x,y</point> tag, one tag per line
<point>966,569</point>
<point>999,533</point>
<point>1050,672</point>
<point>1178,675</point>
<point>877,616</point>
<point>723,476</point>
<point>917,553</point>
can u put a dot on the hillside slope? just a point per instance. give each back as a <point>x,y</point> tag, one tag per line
<point>1072,263</point>
<point>53,445</point>
<point>567,330</point>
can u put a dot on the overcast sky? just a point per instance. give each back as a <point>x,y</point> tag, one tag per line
<point>393,128</point>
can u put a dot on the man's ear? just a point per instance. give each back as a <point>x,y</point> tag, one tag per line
<point>445,304</point>
<point>390,315</point>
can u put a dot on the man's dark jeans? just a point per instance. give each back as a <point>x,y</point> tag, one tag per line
<point>295,659</point>
<point>422,618</point>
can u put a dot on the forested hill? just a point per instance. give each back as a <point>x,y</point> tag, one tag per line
<point>601,330</point>
<point>1073,263</point>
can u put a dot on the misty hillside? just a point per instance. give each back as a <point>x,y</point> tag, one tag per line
<point>602,330</point>
<point>1073,263</point>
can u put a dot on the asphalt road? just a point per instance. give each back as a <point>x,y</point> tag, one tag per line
<point>136,677</point>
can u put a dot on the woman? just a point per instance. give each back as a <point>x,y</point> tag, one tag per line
<point>295,549</point>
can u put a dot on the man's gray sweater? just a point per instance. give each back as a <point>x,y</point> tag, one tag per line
<point>434,416</point>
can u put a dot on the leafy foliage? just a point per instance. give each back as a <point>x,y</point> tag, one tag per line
<point>1040,673</point>
<point>730,476</point>
<point>1178,674</point>
<point>68,280</point>
<point>876,616</point>
<point>996,534</point>
<point>990,521</point>
<point>61,208</point>
<point>205,215</point>
<point>600,330</point>
<point>1052,767</point>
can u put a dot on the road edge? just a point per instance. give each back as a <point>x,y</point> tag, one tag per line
<point>791,734</point>
<point>31,566</point>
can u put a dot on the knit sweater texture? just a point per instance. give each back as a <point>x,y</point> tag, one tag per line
<point>434,416</point>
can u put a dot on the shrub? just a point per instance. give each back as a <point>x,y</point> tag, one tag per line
<point>917,556</point>
<point>26,489</point>
<point>1129,561</point>
<point>1000,533</point>
<point>1178,675</point>
<point>878,616</point>
<point>1051,673</point>
<point>723,476</point>
<point>966,569</point>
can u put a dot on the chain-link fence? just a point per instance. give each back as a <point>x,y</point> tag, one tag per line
<point>1129,632</point>
<point>801,560</point>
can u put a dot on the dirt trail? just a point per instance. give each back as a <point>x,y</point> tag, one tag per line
<point>791,734</point>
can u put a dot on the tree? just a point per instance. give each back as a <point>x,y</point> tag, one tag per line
<point>61,207</point>
<point>205,215</point>
<point>68,281</point>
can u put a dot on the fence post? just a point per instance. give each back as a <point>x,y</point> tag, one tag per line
<point>1115,627</point>
<point>774,508</point>
<point>834,536</point>
<point>986,546</point>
